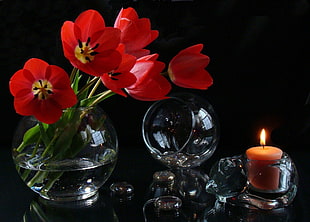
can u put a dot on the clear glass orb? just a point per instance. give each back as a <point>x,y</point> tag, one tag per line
<point>181,131</point>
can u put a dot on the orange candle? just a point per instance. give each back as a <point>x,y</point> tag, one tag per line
<point>261,174</point>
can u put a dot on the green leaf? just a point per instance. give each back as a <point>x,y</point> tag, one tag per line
<point>31,136</point>
<point>76,79</point>
<point>84,91</point>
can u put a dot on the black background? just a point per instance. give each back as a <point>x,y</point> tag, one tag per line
<point>259,61</point>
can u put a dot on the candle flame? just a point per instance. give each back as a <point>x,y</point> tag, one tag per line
<point>263,137</point>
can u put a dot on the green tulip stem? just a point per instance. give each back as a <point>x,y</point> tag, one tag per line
<point>40,175</point>
<point>52,178</point>
<point>36,147</point>
<point>105,95</point>
<point>38,178</point>
<point>94,88</point>
<point>50,145</point>
<point>20,147</point>
<point>27,172</point>
<point>73,73</point>
<point>86,86</point>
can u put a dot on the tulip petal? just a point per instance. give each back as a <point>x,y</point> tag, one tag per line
<point>21,80</point>
<point>121,77</point>
<point>48,112</point>
<point>187,68</point>
<point>24,103</point>
<point>136,32</point>
<point>89,22</point>
<point>67,35</point>
<point>37,67</point>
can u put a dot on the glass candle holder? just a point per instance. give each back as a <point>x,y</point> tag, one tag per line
<point>252,184</point>
<point>270,176</point>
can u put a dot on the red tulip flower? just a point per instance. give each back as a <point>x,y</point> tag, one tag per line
<point>150,84</point>
<point>136,32</point>
<point>41,90</point>
<point>187,68</point>
<point>120,77</point>
<point>89,45</point>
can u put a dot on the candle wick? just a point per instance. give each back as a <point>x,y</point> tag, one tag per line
<point>263,146</point>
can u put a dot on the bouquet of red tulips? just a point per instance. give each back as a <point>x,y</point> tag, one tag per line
<point>113,56</point>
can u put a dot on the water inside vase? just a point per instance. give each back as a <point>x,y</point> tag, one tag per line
<point>67,179</point>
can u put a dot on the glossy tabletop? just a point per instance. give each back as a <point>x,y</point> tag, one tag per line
<point>136,167</point>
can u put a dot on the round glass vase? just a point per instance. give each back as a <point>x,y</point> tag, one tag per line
<point>181,131</point>
<point>68,160</point>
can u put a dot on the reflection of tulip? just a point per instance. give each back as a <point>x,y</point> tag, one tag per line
<point>89,45</point>
<point>136,32</point>
<point>150,84</point>
<point>41,90</point>
<point>187,68</point>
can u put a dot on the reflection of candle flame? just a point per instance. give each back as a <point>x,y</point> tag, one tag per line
<point>263,137</point>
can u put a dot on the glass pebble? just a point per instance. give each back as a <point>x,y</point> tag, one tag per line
<point>167,203</point>
<point>122,189</point>
<point>163,176</point>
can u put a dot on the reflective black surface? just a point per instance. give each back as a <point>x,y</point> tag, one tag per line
<point>136,167</point>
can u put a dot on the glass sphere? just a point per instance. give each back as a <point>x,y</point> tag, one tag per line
<point>75,163</point>
<point>181,131</point>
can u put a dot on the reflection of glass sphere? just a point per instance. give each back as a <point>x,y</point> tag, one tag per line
<point>181,131</point>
